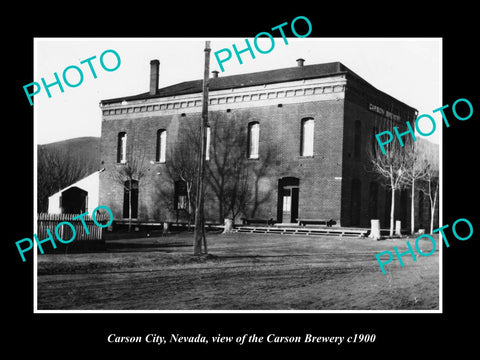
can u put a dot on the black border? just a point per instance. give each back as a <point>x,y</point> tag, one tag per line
<point>85,334</point>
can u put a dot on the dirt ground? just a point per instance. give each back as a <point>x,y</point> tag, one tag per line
<point>241,272</point>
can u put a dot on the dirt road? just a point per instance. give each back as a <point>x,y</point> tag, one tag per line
<point>242,272</point>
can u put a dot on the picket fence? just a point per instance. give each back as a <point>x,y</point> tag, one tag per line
<point>50,221</point>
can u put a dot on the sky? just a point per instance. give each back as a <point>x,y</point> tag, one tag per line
<point>408,69</point>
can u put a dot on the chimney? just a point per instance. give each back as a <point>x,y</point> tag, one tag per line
<point>154,75</point>
<point>300,62</point>
<point>214,74</point>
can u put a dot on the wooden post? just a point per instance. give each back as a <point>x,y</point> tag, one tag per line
<point>228,226</point>
<point>375,229</point>
<point>199,210</point>
<point>398,228</point>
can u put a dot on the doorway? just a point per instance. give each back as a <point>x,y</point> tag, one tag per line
<point>74,201</point>
<point>288,194</point>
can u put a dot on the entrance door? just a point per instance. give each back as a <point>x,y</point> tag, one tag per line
<point>74,201</point>
<point>288,190</point>
<point>287,204</point>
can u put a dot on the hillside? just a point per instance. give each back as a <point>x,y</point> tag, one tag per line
<point>62,163</point>
<point>87,148</point>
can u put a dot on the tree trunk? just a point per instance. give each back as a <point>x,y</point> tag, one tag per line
<point>130,206</point>
<point>221,203</point>
<point>392,212</point>
<point>189,202</point>
<point>412,212</point>
<point>204,238</point>
<point>432,211</point>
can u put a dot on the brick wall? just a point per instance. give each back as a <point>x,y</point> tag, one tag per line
<point>340,163</point>
<point>359,118</point>
<point>279,138</point>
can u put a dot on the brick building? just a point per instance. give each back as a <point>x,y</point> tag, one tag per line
<point>307,132</point>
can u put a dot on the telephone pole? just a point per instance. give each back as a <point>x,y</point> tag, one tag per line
<point>199,210</point>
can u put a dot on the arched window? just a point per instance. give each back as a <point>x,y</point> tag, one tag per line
<point>122,148</point>
<point>357,141</point>
<point>421,204</point>
<point>207,147</point>
<point>307,135</point>
<point>161,145</point>
<point>253,140</point>
<point>355,202</point>
<point>375,131</point>
<point>373,200</point>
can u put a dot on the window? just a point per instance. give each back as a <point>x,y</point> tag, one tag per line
<point>122,148</point>
<point>307,134</point>
<point>357,141</point>
<point>181,202</point>
<point>253,140</point>
<point>207,147</point>
<point>355,202</point>
<point>161,145</point>
<point>375,131</point>
<point>421,201</point>
<point>130,199</point>
<point>373,201</point>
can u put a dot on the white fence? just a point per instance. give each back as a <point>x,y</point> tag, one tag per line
<point>50,221</point>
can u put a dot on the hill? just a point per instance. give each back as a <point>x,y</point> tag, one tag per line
<point>62,163</point>
<point>86,148</point>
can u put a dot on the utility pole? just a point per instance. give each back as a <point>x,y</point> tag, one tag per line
<point>199,210</point>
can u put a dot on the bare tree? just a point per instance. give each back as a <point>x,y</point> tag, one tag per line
<point>228,167</point>
<point>56,169</point>
<point>259,172</point>
<point>182,165</point>
<point>230,177</point>
<point>431,179</point>
<point>238,192</point>
<point>416,170</point>
<point>392,168</point>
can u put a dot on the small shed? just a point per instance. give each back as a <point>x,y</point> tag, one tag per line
<point>79,197</point>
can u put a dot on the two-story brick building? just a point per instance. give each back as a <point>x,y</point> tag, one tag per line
<point>308,128</point>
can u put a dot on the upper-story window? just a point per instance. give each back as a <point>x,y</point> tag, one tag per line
<point>357,141</point>
<point>375,131</point>
<point>253,140</point>
<point>122,148</point>
<point>307,134</point>
<point>207,145</point>
<point>161,145</point>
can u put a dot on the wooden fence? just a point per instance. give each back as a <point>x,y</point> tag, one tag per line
<point>51,221</point>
